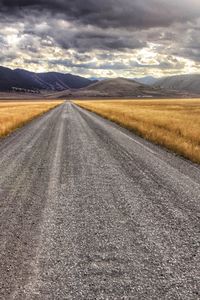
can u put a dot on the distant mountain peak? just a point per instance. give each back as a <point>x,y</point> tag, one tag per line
<point>148,80</point>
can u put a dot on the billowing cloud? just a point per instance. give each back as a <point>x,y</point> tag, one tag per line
<point>103,38</point>
<point>114,13</point>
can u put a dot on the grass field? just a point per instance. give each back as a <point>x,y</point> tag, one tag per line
<point>174,124</point>
<point>15,114</point>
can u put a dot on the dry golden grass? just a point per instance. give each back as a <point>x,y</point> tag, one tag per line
<point>15,114</point>
<point>174,124</point>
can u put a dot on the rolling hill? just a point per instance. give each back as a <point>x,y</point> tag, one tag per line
<point>118,87</point>
<point>52,81</point>
<point>189,83</point>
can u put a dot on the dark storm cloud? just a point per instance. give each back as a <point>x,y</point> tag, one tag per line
<point>83,38</point>
<point>103,35</point>
<point>114,13</point>
<point>91,16</point>
<point>90,40</point>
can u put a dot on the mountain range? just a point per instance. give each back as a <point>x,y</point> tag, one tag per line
<point>51,81</point>
<point>66,85</point>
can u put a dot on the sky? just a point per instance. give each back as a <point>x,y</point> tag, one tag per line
<point>101,38</point>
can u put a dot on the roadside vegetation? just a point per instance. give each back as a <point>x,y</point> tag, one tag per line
<point>15,114</point>
<point>174,124</point>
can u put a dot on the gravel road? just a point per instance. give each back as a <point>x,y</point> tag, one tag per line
<point>91,211</point>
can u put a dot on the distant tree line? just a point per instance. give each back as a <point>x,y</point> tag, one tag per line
<point>21,90</point>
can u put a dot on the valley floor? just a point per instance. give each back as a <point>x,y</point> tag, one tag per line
<point>174,124</point>
<point>15,114</point>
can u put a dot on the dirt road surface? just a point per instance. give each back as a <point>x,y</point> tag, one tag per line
<point>91,211</point>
